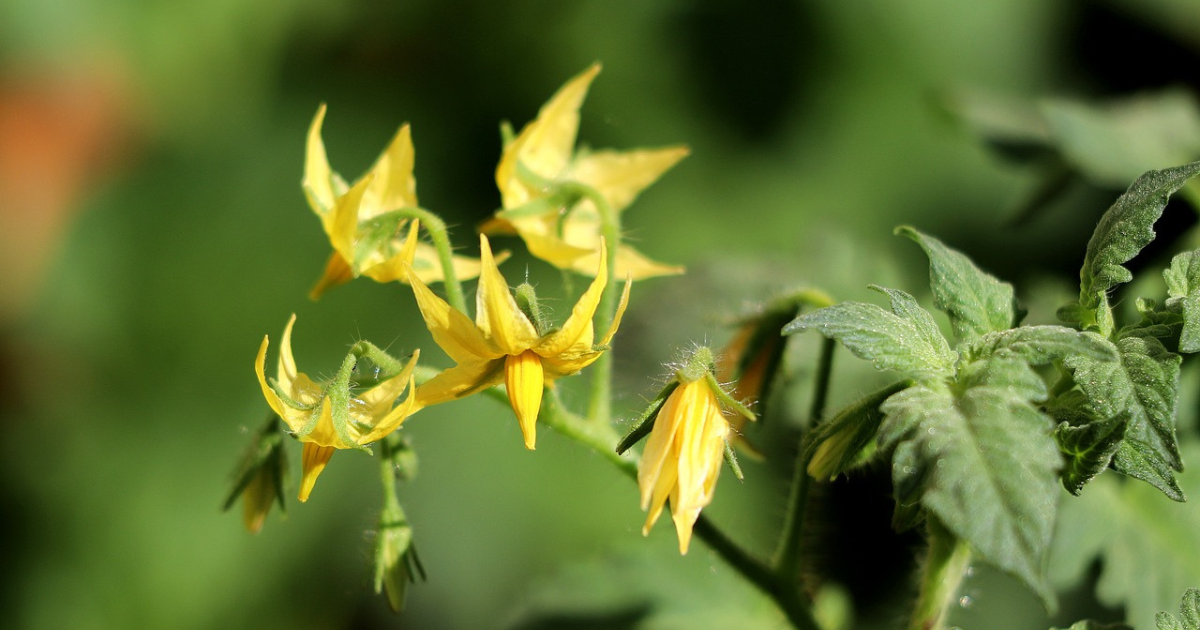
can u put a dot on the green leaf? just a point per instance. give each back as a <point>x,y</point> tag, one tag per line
<point>976,302</point>
<point>1140,391</point>
<point>980,457</point>
<point>1189,614</point>
<point>1183,287</point>
<point>1125,229</point>
<point>1147,546</point>
<point>1039,345</point>
<point>905,339</point>
<point>1089,449</point>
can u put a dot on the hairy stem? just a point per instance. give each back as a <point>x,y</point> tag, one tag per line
<point>436,228</point>
<point>944,570</point>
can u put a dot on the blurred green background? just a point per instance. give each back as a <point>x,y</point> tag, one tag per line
<point>153,230</point>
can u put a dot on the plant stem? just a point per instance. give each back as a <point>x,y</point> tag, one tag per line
<point>944,570</point>
<point>787,557</point>
<point>600,400</point>
<point>436,228</point>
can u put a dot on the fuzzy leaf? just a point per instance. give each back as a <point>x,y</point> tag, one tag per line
<point>980,457</point>
<point>1189,614</point>
<point>1125,229</point>
<point>1147,546</point>
<point>976,302</point>
<point>1140,391</point>
<point>1089,449</point>
<point>1039,345</point>
<point>905,339</point>
<point>1183,287</point>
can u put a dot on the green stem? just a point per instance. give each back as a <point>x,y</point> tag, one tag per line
<point>944,570</point>
<point>436,228</point>
<point>387,472</point>
<point>787,557</point>
<point>600,401</point>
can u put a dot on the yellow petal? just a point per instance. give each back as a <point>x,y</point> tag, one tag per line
<point>393,186</point>
<point>616,321</point>
<point>387,420</point>
<point>461,380</point>
<point>314,458</point>
<point>337,271</point>
<point>454,332</point>
<point>268,393</point>
<point>318,178</point>
<point>630,263</point>
<point>285,373</point>
<point>621,175</point>
<point>660,451</point>
<point>496,312</point>
<point>545,145</point>
<point>395,417</point>
<point>552,249</point>
<point>342,224</point>
<point>577,323</point>
<point>398,266</point>
<point>524,382</point>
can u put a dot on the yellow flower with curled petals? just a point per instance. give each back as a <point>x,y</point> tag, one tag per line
<point>367,240</point>
<point>503,345</point>
<point>565,230</point>
<point>682,457</point>
<point>309,411</point>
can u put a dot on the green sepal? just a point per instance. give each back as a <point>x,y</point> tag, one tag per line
<point>1123,231</point>
<point>833,447</point>
<point>1189,614</point>
<point>527,300</point>
<point>393,565</point>
<point>376,234</point>
<point>1183,291</point>
<point>906,339</point>
<point>732,460</point>
<point>645,421</point>
<point>727,401</point>
<point>264,454</point>
<point>976,302</point>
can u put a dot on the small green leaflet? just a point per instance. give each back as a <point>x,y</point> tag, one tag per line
<point>1041,344</point>
<point>905,339</point>
<point>1125,229</point>
<point>1189,614</point>
<point>1147,546</point>
<point>980,457</point>
<point>1088,448</point>
<point>1140,391</point>
<point>1183,288</point>
<point>977,303</point>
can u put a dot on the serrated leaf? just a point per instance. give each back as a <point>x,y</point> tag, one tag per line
<point>976,302</point>
<point>1147,546</point>
<point>980,457</point>
<point>1088,450</point>
<point>1189,614</point>
<point>1039,345</point>
<point>1139,390</point>
<point>905,339</point>
<point>1125,229</point>
<point>1183,287</point>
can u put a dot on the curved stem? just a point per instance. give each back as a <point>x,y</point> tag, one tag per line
<point>787,558</point>
<point>944,570</point>
<point>436,228</point>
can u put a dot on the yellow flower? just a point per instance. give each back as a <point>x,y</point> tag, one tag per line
<point>504,345</point>
<point>307,409</point>
<point>542,158</point>
<point>683,454</point>
<point>365,239</point>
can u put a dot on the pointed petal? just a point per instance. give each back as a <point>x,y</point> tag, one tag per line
<point>314,458</point>
<point>630,263</point>
<point>399,265</point>
<point>524,382</point>
<point>621,175</point>
<point>318,178</point>
<point>394,418</point>
<point>379,399</point>
<point>394,186</point>
<point>577,323</point>
<point>337,271</point>
<point>552,249</point>
<point>496,313</point>
<point>616,322</point>
<point>660,450</point>
<point>459,381</point>
<point>545,145</point>
<point>427,265</point>
<point>454,332</point>
<point>341,225</point>
<point>268,393</point>
<point>286,372</point>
